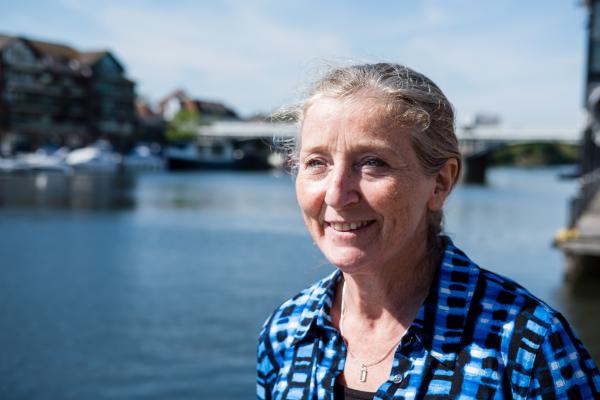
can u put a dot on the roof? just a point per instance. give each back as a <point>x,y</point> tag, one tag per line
<point>143,109</point>
<point>213,108</point>
<point>203,107</point>
<point>92,57</point>
<point>4,40</point>
<point>59,52</point>
<point>178,94</point>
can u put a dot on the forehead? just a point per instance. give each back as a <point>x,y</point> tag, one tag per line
<point>360,118</point>
<point>359,107</point>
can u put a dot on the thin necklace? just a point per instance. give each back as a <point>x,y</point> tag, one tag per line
<point>363,366</point>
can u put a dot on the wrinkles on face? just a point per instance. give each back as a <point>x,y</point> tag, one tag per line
<point>357,167</point>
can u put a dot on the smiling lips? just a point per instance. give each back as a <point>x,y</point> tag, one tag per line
<point>348,226</point>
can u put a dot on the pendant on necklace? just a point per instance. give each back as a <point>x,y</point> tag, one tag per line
<point>363,373</point>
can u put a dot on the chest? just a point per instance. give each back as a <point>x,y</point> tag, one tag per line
<point>309,371</point>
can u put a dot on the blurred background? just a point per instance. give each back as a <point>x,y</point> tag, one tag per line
<point>147,223</point>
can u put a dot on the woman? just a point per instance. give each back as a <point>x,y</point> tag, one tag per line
<point>406,314</point>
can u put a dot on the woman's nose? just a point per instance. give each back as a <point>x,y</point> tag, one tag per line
<point>342,188</point>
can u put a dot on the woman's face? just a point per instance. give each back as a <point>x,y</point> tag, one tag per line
<point>363,194</point>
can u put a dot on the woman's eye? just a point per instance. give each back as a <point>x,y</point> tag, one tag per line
<point>314,163</point>
<point>374,162</point>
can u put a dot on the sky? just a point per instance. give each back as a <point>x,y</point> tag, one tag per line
<point>520,60</point>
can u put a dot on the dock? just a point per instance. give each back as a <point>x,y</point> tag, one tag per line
<point>580,242</point>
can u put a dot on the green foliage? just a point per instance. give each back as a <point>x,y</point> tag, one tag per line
<point>183,126</point>
<point>530,154</point>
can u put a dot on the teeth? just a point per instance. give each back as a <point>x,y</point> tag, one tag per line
<point>348,226</point>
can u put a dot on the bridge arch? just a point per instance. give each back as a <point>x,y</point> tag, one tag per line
<point>478,157</point>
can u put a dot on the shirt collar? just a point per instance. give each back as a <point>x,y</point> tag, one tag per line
<point>441,319</point>
<point>319,313</point>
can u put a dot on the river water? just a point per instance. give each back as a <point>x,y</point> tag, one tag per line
<point>158,291</point>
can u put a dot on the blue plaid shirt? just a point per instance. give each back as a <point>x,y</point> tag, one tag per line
<point>477,336</point>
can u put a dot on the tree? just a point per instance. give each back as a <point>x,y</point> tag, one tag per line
<point>183,127</point>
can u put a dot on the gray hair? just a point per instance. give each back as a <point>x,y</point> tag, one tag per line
<point>410,99</point>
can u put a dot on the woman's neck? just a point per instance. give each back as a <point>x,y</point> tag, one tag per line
<point>373,311</point>
<point>387,299</point>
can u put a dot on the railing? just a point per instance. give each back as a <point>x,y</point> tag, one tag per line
<point>590,184</point>
<point>590,173</point>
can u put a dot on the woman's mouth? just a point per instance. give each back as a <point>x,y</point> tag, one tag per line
<point>348,226</point>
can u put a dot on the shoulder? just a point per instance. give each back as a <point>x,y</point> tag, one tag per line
<point>293,318</point>
<point>510,318</point>
<point>534,342</point>
<point>509,300</point>
<point>501,317</point>
<point>491,301</point>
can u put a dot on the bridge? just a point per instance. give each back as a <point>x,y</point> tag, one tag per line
<point>476,144</point>
<point>268,130</point>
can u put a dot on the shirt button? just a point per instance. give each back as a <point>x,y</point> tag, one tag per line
<point>397,378</point>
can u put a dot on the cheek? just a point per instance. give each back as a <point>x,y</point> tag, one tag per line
<point>397,202</point>
<point>310,197</point>
<point>383,196</point>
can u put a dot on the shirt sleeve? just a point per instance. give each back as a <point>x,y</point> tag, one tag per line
<point>266,366</point>
<point>563,368</point>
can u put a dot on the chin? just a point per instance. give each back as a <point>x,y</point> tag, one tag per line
<point>348,260</point>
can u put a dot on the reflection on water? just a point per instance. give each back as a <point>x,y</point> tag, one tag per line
<point>164,298</point>
<point>59,190</point>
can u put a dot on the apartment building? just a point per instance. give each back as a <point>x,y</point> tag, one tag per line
<point>54,94</point>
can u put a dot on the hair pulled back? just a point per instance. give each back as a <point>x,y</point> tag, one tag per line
<point>411,100</point>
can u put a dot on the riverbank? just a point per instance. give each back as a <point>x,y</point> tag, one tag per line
<point>536,154</point>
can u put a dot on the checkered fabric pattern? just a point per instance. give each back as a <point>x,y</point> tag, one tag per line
<point>477,336</point>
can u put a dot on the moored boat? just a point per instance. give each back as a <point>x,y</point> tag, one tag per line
<point>98,157</point>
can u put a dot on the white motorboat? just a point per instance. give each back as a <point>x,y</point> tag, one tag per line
<point>98,157</point>
<point>45,161</point>
<point>10,165</point>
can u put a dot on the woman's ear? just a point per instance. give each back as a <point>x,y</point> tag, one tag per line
<point>444,182</point>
